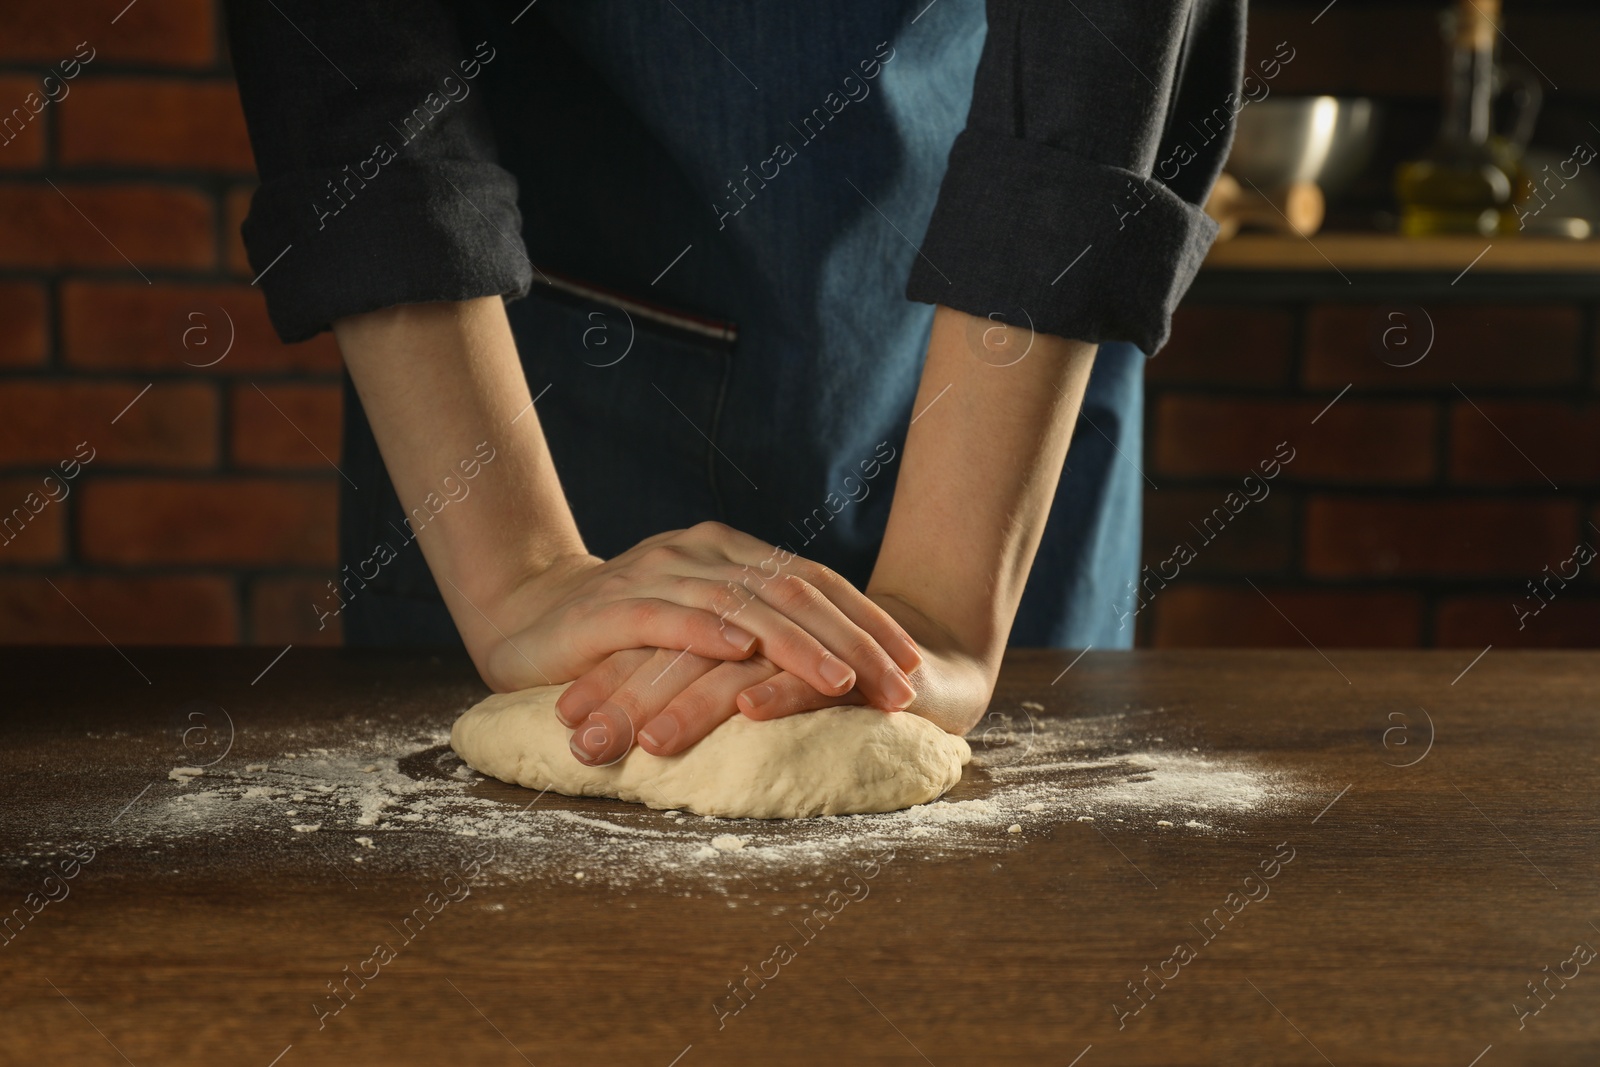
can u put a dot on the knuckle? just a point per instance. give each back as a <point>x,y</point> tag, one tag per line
<point>794,647</point>
<point>710,531</point>
<point>629,702</point>
<point>647,612</point>
<point>691,708</point>
<point>725,601</point>
<point>862,650</point>
<point>664,555</point>
<point>794,593</point>
<point>614,584</point>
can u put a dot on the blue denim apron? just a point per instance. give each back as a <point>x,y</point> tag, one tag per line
<point>722,204</point>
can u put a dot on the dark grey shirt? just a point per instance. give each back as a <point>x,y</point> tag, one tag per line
<point>1067,162</point>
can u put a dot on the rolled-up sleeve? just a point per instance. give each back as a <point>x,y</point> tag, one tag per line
<point>1074,194</point>
<point>379,178</point>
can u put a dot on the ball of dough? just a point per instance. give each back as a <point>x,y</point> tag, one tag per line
<point>837,761</point>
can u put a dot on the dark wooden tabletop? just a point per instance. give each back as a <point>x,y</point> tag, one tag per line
<point>1442,827</point>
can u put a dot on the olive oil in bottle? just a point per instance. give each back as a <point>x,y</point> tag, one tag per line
<point>1465,183</point>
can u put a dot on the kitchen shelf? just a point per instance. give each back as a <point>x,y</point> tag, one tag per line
<point>1389,253</point>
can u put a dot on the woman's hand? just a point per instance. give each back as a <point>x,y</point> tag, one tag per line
<point>954,685</point>
<point>667,701</point>
<point>710,592</point>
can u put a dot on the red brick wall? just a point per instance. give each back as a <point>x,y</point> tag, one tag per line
<point>1417,507</point>
<point>207,513</point>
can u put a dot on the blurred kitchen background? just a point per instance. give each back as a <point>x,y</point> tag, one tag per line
<point>1432,359</point>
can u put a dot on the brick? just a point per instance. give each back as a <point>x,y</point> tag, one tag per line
<point>1392,50</point>
<point>1436,538</point>
<point>21,130</point>
<point>24,335</point>
<point>1569,620</point>
<point>1356,52</point>
<point>1225,345</point>
<point>1371,442</point>
<point>1259,540</point>
<point>165,123</point>
<point>1511,442</point>
<point>153,226</point>
<point>282,612</point>
<point>131,326</point>
<point>235,209</point>
<point>286,426</point>
<point>1189,616</point>
<point>130,610</point>
<point>241,521</point>
<point>1512,346</point>
<point>178,33</point>
<point>32,530</point>
<point>42,423</point>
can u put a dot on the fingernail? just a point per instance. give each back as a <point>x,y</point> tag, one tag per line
<point>743,640</point>
<point>908,658</point>
<point>605,735</point>
<point>758,697</point>
<point>574,711</point>
<point>835,672</point>
<point>661,730</point>
<point>898,691</point>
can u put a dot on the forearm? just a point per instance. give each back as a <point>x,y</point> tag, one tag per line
<point>979,473</point>
<point>438,381</point>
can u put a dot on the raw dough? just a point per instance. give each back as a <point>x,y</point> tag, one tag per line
<point>832,762</point>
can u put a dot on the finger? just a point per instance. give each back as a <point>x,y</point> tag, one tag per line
<point>863,611</point>
<point>784,694</point>
<point>785,641</point>
<point>585,694</point>
<point>609,731</point>
<point>645,622</point>
<point>703,705</point>
<point>759,571</point>
<point>878,677</point>
<point>764,562</point>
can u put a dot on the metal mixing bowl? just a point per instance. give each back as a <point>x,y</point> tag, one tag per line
<point>1325,139</point>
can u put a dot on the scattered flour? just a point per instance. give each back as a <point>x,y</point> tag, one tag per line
<point>398,799</point>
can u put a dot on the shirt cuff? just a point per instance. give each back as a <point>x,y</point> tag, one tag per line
<point>1041,237</point>
<point>449,230</point>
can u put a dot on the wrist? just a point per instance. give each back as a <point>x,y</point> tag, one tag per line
<point>980,647</point>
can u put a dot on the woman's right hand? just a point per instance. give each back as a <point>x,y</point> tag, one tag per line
<point>710,590</point>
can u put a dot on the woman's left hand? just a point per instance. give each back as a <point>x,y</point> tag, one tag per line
<point>666,700</point>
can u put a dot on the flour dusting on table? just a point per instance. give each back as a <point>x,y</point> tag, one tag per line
<point>400,800</point>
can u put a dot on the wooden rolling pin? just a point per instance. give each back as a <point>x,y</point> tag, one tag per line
<point>1294,208</point>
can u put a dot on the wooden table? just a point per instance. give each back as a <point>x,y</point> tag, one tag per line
<point>1391,252</point>
<point>1419,901</point>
